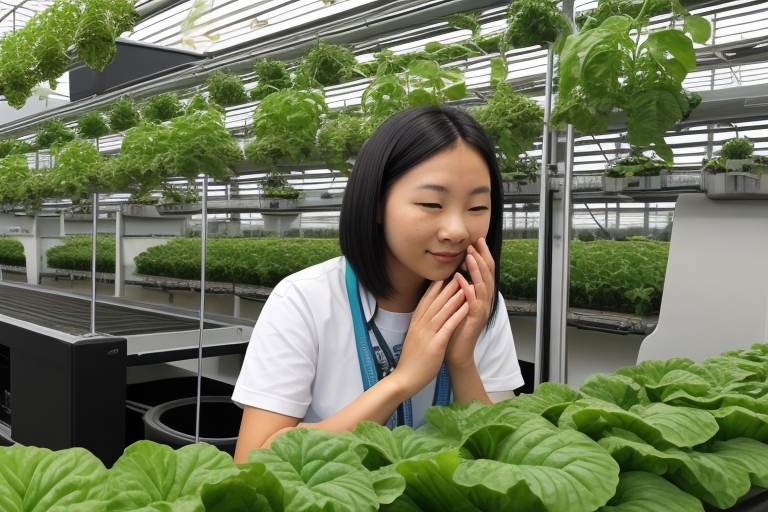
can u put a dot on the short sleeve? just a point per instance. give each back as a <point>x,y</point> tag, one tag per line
<point>495,354</point>
<point>281,358</point>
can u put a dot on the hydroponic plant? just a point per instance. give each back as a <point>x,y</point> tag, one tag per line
<point>75,253</point>
<point>659,436</point>
<point>340,139</point>
<point>53,131</point>
<point>635,164</point>
<point>607,67</point>
<point>12,252</point>
<point>226,89</point>
<point>14,147</point>
<point>78,171</point>
<point>325,64</point>
<point>272,76</point>
<point>19,184</point>
<point>162,107</point>
<point>535,23</point>
<point>92,125</point>
<point>123,114</point>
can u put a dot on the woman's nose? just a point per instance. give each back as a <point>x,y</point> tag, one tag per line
<point>454,228</point>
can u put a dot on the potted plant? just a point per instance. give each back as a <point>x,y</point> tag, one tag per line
<point>521,175</point>
<point>226,89</point>
<point>272,76</point>
<point>735,172</point>
<point>636,171</point>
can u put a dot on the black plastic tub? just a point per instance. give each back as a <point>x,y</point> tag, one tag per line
<point>173,423</point>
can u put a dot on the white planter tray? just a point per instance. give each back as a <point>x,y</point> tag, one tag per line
<point>735,185</point>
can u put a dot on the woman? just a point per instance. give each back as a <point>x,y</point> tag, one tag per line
<point>414,298</point>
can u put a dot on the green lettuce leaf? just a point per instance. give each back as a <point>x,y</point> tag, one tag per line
<point>430,486</point>
<point>457,422</point>
<point>616,389</point>
<point>652,371</point>
<point>564,468</point>
<point>740,422</point>
<point>378,446</point>
<point>152,476</point>
<point>658,424</point>
<point>715,476</point>
<point>39,480</point>
<point>320,470</point>
<point>639,491</point>
<point>252,490</point>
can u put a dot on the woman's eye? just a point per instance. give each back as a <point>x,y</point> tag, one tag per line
<point>430,205</point>
<point>478,208</point>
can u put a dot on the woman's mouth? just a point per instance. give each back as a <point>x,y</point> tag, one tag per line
<point>445,257</point>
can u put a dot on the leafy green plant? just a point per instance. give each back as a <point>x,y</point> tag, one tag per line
<point>197,103</point>
<point>535,23</point>
<point>179,195</point>
<point>285,192</point>
<point>162,107</point>
<point>659,436</point>
<point>512,121</point>
<point>592,18</point>
<point>53,131</point>
<point>737,149</point>
<point>14,147</point>
<point>325,64</point>
<point>52,39</point>
<point>12,252</point>
<point>586,236</point>
<point>75,253</point>
<point>340,139</point>
<point>226,89</point>
<point>466,21</point>
<point>100,23</point>
<point>272,76</point>
<point>608,68</point>
<point>78,171</point>
<point>636,164</point>
<point>19,184</point>
<point>521,169</point>
<point>91,125</point>
<point>285,125</point>
<point>123,114</point>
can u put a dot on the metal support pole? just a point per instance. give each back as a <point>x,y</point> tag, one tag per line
<point>204,237</point>
<point>542,286</point>
<point>565,270</point>
<point>95,211</point>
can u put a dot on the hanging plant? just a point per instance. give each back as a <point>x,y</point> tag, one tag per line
<point>341,138</point>
<point>185,194</point>
<point>141,162</point>
<point>53,131</point>
<point>607,68</point>
<point>226,89</point>
<point>511,120</point>
<point>466,21</point>
<point>272,77</point>
<point>18,183</point>
<point>14,147</point>
<point>636,164</point>
<point>91,125</point>
<point>522,170</point>
<point>101,22</point>
<point>197,104</point>
<point>284,192</point>
<point>325,64</point>
<point>123,114</point>
<point>285,125</point>
<point>77,173</point>
<point>592,18</point>
<point>535,23</point>
<point>162,107</point>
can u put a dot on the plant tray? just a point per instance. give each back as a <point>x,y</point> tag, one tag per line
<point>518,187</point>
<point>140,210</point>
<point>180,209</point>
<point>613,184</point>
<point>735,185</point>
<point>643,183</point>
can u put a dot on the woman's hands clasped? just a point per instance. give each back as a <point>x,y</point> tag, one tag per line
<point>441,310</point>
<point>447,323</point>
<point>479,297</point>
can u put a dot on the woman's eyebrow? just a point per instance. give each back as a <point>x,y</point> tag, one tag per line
<point>440,188</point>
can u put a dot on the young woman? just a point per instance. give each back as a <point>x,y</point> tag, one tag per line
<point>414,298</point>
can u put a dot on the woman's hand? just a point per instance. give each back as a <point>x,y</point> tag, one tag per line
<point>479,296</point>
<point>440,311</point>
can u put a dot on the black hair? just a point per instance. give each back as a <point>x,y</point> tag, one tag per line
<point>403,141</point>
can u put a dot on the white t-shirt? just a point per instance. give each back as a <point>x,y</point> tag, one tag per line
<point>302,359</point>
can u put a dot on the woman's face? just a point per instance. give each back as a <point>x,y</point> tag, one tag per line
<point>433,213</point>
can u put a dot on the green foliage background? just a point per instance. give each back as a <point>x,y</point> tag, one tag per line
<point>75,253</point>
<point>11,252</point>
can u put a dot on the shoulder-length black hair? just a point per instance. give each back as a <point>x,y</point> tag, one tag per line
<point>403,141</point>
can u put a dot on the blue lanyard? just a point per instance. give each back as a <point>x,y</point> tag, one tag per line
<point>403,415</point>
